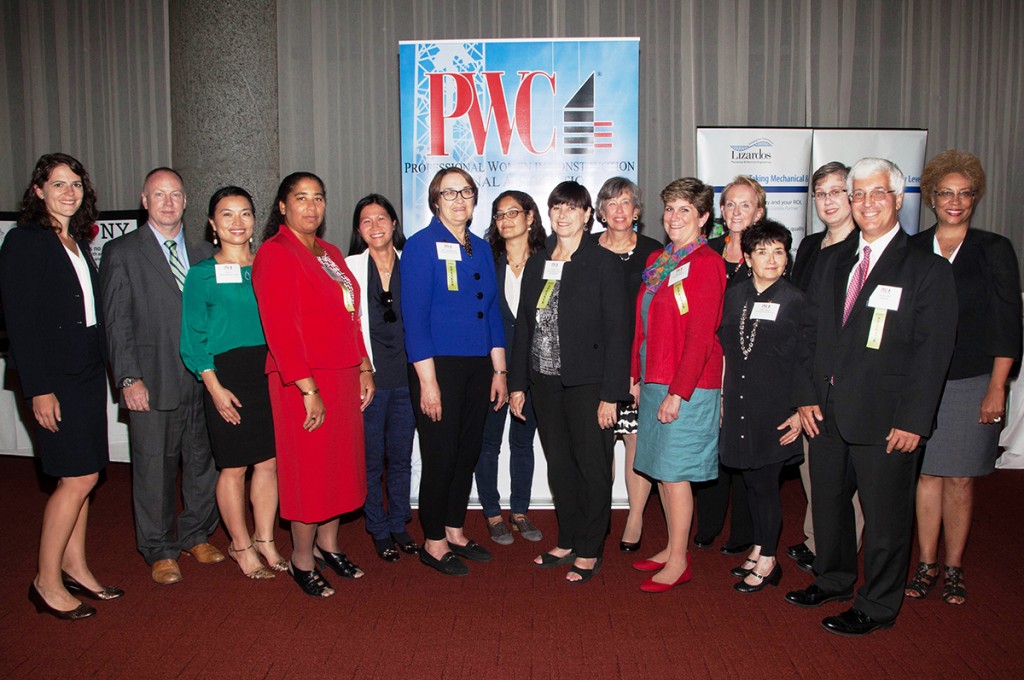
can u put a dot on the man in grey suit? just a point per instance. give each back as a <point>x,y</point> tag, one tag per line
<point>141,279</point>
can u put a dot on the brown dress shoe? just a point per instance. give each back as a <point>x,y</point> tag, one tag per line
<point>205,553</point>
<point>166,572</point>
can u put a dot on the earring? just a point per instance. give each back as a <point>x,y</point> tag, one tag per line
<point>214,239</point>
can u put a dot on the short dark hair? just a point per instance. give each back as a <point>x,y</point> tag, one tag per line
<point>434,190</point>
<point>536,234</point>
<point>830,168</point>
<point>764,232</point>
<point>357,244</point>
<point>33,208</point>
<point>573,194</point>
<point>275,219</point>
<point>218,196</point>
<point>701,196</point>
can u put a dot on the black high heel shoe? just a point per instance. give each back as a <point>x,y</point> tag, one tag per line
<point>742,570</point>
<point>76,588</point>
<point>772,579</point>
<point>627,547</point>
<point>82,611</point>
<point>342,565</point>
<point>312,582</point>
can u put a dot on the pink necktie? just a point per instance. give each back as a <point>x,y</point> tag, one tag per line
<point>856,283</point>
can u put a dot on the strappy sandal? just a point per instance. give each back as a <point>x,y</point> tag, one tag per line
<point>339,562</point>
<point>312,582</point>
<point>953,588</point>
<point>280,565</point>
<point>922,582</point>
<point>260,573</point>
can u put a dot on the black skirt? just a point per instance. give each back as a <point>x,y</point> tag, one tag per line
<point>241,371</point>
<point>79,446</point>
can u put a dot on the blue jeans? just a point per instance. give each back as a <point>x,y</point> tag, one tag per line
<point>520,441</point>
<point>389,424</point>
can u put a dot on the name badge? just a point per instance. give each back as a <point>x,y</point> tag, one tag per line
<point>228,273</point>
<point>877,327</point>
<point>681,302</point>
<point>553,270</point>
<point>886,297</point>
<point>449,251</point>
<point>765,310</point>
<point>678,274</point>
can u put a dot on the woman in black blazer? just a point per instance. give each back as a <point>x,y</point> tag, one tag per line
<point>48,282</point>
<point>965,442</point>
<point>571,350</point>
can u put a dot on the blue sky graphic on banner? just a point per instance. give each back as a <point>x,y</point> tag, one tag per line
<point>516,114</point>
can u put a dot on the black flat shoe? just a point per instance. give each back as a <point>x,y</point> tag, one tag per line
<point>386,550</point>
<point>771,579</point>
<point>449,564</point>
<point>627,547</point>
<point>813,596</point>
<point>312,582</point>
<point>406,544</point>
<point>549,561</point>
<point>76,588</point>
<point>341,565</point>
<point>854,623</point>
<point>471,551</point>
<point>736,549</point>
<point>82,611</point>
<point>584,574</point>
<point>799,550</point>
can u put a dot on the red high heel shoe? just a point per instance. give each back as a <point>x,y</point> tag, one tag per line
<point>652,586</point>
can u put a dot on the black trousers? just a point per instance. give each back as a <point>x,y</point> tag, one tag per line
<point>450,447</point>
<point>712,501</point>
<point>887,483</point>
<point>579,455</point>
<point>765,505</point>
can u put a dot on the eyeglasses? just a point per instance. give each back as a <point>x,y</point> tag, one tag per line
<point>875,194</point>
<point>387,299</point>
<point>450,194</point>
<point>511,214</point>
<point>834,194</point>
<point>964,195</point>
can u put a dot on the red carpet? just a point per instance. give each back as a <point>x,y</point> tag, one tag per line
<point>506,620</point>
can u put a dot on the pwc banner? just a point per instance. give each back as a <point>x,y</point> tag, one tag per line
<point>516,114</point>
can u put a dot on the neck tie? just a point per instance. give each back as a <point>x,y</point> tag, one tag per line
<point>856,283</point>
<point>177,268</point>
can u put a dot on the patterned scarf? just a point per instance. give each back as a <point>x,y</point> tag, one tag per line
<point>667,262</point>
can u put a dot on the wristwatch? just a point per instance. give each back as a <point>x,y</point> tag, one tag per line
<point>128,382</point>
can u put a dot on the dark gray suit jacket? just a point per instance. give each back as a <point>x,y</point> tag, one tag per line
<point>142,309</point>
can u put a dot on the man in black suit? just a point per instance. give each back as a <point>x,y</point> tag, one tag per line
<point>141,276</point>
<point>879,336</point>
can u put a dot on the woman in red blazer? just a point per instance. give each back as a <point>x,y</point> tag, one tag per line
<point>677,371</point>
<point>320,378</point>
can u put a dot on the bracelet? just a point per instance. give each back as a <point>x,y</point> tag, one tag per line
<point>315,390</point>
<point>500,372</point>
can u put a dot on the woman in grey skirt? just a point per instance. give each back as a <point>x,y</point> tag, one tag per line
<point>965,442</point>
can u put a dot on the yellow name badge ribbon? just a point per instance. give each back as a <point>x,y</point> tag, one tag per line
<point>877,326</point>
<point>452,275</point>
<point>545,295</point>
<point>680,294</point>
<point>350,300</point>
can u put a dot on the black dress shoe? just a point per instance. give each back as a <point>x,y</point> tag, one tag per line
<point>854,623</point>
<point>627,547</point>
<point>806,563</point>
<point>736,549</point>
<point>75,588</point>
<point>742,570</point>
<point>772,579</point>
<point>82,611</point>
<point>813,596</point>
<point>703,542</point>
<point>471,551</point>
<point>449,564</point>
<point>799,550</point>
<point>386,550</point>
<point>406,544</point>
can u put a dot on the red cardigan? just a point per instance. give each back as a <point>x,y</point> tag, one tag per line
<point>303,310</point>
<point>683,351</point>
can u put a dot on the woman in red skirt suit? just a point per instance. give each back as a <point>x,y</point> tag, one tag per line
<point>319,375</point>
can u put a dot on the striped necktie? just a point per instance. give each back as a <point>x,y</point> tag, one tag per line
<point>856,283</point>
<point>177,268</point>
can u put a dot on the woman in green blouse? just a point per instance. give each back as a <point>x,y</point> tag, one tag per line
<point>222,343</point>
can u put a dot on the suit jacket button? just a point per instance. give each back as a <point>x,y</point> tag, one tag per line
<point>476,276</point>
<point>479,315</point>
<point>479,296</point>
<point>595,346</point>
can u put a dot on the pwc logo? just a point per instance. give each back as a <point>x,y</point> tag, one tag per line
<point>512,117</point>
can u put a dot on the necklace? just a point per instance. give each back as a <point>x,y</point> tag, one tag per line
<point>747,345</point>
<point>467,245</point>
<point>517,265</point>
